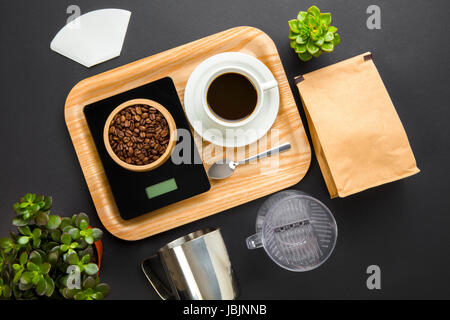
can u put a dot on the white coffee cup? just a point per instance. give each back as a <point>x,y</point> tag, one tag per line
<point>259,86</point>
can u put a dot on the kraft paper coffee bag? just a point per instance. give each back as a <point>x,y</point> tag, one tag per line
<point>357,135</point>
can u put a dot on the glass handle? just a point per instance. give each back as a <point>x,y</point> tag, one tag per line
<point>254,241</point>
<point>154,280</point>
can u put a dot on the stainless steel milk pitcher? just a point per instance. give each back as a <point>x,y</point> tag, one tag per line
<point>197,267</point>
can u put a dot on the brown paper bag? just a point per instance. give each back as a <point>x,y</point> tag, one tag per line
<point>357,135</point>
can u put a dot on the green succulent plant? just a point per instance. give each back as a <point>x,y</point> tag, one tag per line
<point>48,253</point>
<point>311,34</point>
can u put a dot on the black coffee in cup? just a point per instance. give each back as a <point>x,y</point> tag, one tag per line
<point>232,97</point>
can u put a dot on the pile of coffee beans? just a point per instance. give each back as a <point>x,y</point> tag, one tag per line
<point>139,134</point>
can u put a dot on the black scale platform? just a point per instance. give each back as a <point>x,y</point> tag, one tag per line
<point>138,193</point>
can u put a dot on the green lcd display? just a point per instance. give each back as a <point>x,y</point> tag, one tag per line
<point>161,188</point>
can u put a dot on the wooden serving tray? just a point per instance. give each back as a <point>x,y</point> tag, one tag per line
<point>249,182</point>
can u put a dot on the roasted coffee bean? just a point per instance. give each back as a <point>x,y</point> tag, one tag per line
<point>139,134</point>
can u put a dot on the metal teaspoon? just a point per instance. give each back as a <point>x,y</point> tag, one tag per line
<point>224,168</point>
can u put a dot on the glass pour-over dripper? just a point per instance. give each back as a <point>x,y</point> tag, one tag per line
<point>297,231</point>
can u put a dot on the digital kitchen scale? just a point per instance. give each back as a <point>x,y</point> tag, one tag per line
<point>137,193</point>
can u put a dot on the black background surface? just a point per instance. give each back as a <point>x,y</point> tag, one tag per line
<point>403,227</point>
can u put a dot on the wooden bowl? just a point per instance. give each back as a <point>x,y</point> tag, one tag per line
<point>172,138</point>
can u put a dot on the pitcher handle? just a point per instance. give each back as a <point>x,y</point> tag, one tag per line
<point>154,280</point>
<point>254,241</point>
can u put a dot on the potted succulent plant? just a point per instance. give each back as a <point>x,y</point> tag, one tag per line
<point>311,34</point>
<point>50,256</point>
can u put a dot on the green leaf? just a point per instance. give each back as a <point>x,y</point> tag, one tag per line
<point>23,258</point>
<point>37,233</point>
<point>300,48</point>
<point>74,233</point>
<point>332,29</point>
<point>337,39</point>
<point>311,47</point>
<point>317,54</point>
<point>41,287</point>
<point>81,216</point>
<point>50,286</point>
<point>80,296</point>
<point>70,293</point>
<point>17,267</point>
<point>311,22</point>
<point>86,258</point>
<point>314,10</point>
<point>23,240</point>
<point>292,35</point>
<point>83,224</point>
<point>24,204</point>
<point>325,18</point>
<point>329,37</point>
<point>89,282</point>
<point>67,229</point>
<point>89,239</point>
<point>41,218</point>
<point>315,35</point>
<point>32,267</point>
<point>53,257</point>
<point>36,277</point>
<point>328,47</point>
<point>66,238</point>
<point>17,276</point>
<point>50,246</point>
<point>26,277</point>
<point>320,41</point>
<point>300,40</point>
<point>34,208</point>
<point>53,222</point>
<point>91,268</point>
<point>293,25</point>
<point>305,56</point>
<point>103,288</point>
<point>18,222</point>
<point>97,233</point>
<point>64,247</point>
<point>36,242</point>
<point>25,230</point>
<point>6,243</point>
<point>16,207</point>
<point>23,286</point>
<point>48,203</point>
<point>72,258</point>
<point>86,251</point>
<point>35,257</point>
<point>55,235</point>
<point>45,268</point>
<point>29,197</point>
<point>65,222</point>
<point>302,16</point>
<point>97,296</point>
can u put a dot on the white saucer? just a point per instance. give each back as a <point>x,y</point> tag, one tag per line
<point>214,132</point>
